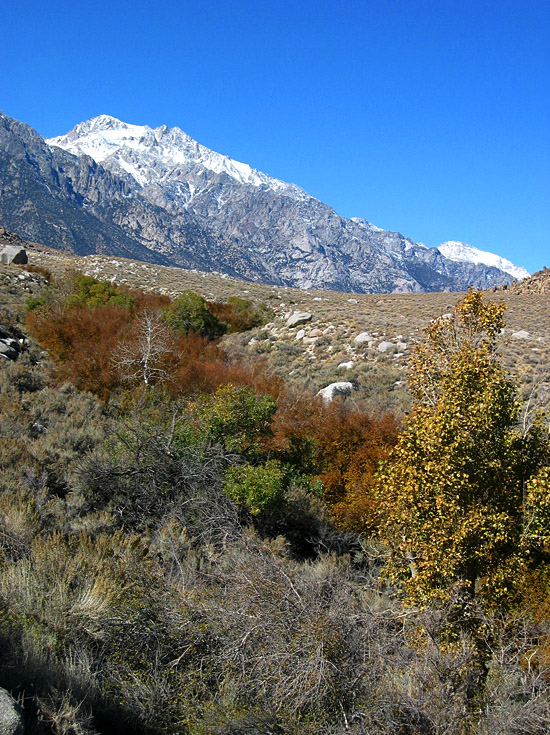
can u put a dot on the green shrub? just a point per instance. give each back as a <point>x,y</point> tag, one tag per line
<point>189,312</point>
<point>236,418</point>
<point>258,488</point>
<point>93,293</point>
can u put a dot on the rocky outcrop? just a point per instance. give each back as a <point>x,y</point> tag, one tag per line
<point>11,715</point>
<point>12,343</point>
<point>539,282</point>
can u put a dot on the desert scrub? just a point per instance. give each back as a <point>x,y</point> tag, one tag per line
<point>53,430</point>
<point>93,618</point>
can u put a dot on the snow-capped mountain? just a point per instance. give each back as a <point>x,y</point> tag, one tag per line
<point>461,252</point>
<point>157,194</point>
<point>151,155</point>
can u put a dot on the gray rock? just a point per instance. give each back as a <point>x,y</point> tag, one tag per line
<point>385,346</point>
<point>345,365</point>
<point>298,317</point>
<point>13,254</point>
<point>341,388</point>
<point>11,716</point>
<point>522,334</point>
<point>7,350</point>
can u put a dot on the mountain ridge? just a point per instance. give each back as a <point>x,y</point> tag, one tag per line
<point>150,191</point>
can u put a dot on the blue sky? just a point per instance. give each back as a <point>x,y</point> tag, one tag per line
<point>429,117</point>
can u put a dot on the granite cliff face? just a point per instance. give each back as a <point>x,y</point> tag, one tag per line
<point>158,195</point>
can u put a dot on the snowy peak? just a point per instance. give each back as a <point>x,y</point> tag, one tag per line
<point>277,232</point>
<point>463,253</point>
<point>151,155</point>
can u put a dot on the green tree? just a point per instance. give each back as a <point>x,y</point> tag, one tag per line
<point>93,293</point>
<point>452,496</point>
<point>189,312</point>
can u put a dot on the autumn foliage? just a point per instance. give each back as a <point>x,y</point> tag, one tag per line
<point>81,341</point>
<point>340,447</point>
<point>95,334</point>
<point>452,497</point>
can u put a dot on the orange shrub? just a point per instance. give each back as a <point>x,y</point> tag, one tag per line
<point>342,448</point>
<point>82,342</point>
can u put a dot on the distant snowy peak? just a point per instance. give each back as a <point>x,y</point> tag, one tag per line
<point>460,252</point>
<point>150,154</point>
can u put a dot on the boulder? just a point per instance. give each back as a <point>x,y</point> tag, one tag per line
<point>8,350</point>
<point>11,716</point>
<point>385,346</point>
<point>362,338</point>
<point>13,254</point>
<point>342,388</point>
<point>298,317</point>
<point>345,365</point>
<point>522,334</point>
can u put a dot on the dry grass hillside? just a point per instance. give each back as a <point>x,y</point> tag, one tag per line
<point>328,347</point>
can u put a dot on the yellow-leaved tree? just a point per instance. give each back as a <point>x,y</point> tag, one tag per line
<point>454,495</point>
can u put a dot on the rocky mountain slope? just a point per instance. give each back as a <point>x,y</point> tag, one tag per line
<point>159,196</point>
<point>71,203</point>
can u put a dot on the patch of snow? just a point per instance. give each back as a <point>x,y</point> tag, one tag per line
<point>367,225</point>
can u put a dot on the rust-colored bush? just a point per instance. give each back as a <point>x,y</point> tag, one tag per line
<point>82,342</point>
<point>342,448</point>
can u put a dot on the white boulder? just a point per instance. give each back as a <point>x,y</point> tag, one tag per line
<point>362,338</point>
<point>13,254</point>
<point>341,388</point>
